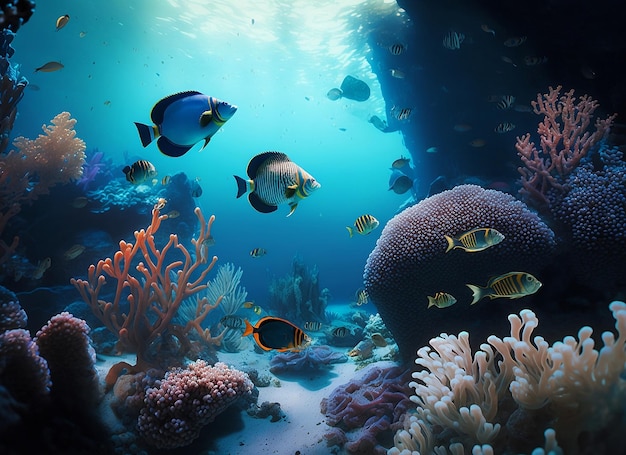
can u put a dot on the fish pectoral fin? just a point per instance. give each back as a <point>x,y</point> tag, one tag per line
<point>205,118</point>
<point>290,191</point>
<point>206,142</point>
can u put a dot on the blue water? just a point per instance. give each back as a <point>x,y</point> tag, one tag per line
<point>277,67</point>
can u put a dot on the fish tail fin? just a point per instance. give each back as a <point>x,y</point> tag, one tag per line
<point>451,243</point>
<point>249,328</point>
<point>477,291</point>
<point>147,133</point>
<point>350,231</point>
<point>431,301</point>
<point>242,186</point>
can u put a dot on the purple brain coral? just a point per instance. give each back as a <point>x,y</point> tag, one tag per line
<point>409,262</point>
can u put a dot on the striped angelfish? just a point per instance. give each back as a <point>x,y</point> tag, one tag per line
<point>512,285</point>
<point>363,225</point>
<point>475,240</point>
<point>274,180</point>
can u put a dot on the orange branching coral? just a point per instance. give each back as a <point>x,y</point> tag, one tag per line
<point>57,156</point>
<point>145,304</point>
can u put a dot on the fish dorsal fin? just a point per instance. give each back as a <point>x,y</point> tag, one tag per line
<point>291,191</point>
<point>158,111</point>
<point>205,118</point>
<point>258,160</point>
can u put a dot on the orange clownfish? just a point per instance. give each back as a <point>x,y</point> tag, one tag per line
<point>272,333</point>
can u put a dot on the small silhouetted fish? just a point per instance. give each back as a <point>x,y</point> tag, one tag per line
<point>379,340</point>
<point>401,113</point>
<point>232,322</point>
<point>73,252</point>
<point>400,162</point>
<point>453,40</point>
<point>397,73</point>
<point>62,21</point>
<point>361,297</point>
<point>80,202</point>
<point>334,94</point>
<point>33,87</point>
<point>515,41</point>
<point>313,326</point>
<point>49,67</point>
<point>504,127</point>
<point>397,48</point>
<point>339,332</point>
<point>438,185</point>
<point>196,189</point>
<point>354,89</point>
<point>139,172</point>
<point>378,123</point>
<point>531,60</point>
<point>258,252</point>
<point>432,150</point>
<point>505,102</point>
<point>401,184</point>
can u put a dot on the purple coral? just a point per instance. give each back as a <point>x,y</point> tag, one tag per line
<point>592,214</point>
<point>366,406</point>
<point>311,358</point>
<point>64,343</point>
<point>409,262</point>
<point>12,316</point>
<point>180,405</point>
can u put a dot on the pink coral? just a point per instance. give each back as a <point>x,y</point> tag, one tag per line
<point>186,400</point>
<point>564,141</point>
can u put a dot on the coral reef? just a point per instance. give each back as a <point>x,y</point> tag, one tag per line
<point>297,296</point>
<point>514,388</point>
<point>144,306</point>
<point>564,141</point>
<point>16,13</point>
<point>12,88</point>
<point>591,215</point>
<point>313,358</point>
<point>179,406</point>
<point>409,262</point>
<point>65,344</point>
<point>365,409</point>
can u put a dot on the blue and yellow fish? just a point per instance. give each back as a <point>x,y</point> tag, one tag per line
<point>139,172</point>
<point>363,225</point>
<point>274,180</point>
<point>182,120</point>
<point>258,252</point>
<point>277,334</point>
<point>441,300</point>
<point>512,285</point>
<point>474,240</point>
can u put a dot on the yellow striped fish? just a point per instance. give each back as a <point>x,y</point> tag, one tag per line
<point>441,300</point>
<point>258,252</point>
<point>475,240</point>
<point>274,180</point>
<point>512,285</point>
<point>363,225</point>
<point>139,172</point>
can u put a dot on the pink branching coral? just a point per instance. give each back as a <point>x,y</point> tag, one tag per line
<point>564,141</point>
<point>145,304</point>
<point>569,385</point>
<point>181,404</point>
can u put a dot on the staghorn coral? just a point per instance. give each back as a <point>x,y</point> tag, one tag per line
<point>569,386</point>
<point>143,307</point>
<point>185,400</point>
<point>409,262</point>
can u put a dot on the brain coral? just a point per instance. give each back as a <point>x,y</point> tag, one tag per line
<point>409,263</point>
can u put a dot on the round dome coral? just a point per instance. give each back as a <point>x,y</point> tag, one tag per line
<point>409,263</point>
